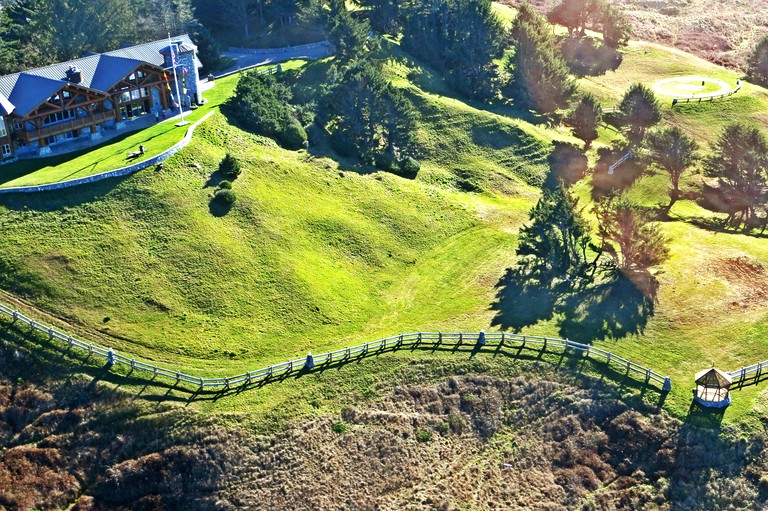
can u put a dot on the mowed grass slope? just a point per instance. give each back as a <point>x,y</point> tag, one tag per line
<point>317,254</point>
<point>311,255</point>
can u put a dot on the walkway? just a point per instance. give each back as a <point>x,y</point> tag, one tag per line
<point>253,57</point>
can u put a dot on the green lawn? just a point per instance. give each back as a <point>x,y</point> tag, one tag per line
<point>319,254</point>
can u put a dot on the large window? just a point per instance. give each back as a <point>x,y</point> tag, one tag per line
<point>3,131</point>
<point>59,116</point>
<point>6,150</point>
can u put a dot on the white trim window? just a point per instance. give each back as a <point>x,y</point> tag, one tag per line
<point>6,150</point>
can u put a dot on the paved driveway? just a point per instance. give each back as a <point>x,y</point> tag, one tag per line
<point>247,58</point>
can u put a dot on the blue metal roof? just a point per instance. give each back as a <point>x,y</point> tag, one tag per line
<point>31,90</point>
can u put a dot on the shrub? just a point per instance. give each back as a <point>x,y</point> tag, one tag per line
<point>386,161</point>
<point>225,185</point>
<point>423,435</point>
<point>339,428</point>
<point>409,167</point>
<point>229,166</point>
<point>293,136</point>
<point>225,196</point>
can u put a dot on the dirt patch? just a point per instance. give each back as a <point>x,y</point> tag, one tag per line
<point>747,278</point>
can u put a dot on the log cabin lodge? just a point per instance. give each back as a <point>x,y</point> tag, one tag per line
<point>48,107</point>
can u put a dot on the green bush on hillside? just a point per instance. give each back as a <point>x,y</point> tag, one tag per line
<point>260,104</point>
<point>229,166</point>
<point>225,196</point>
<point>293,136</point>
<point>225,185</point>
<point>409,167</point>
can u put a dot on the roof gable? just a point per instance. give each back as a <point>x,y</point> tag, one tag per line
<point>31,90</point>
<point>111,70</point>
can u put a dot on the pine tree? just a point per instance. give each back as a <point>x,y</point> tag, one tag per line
<point>554,247</point>
<point>673,151</point>
<point>740,163</point>
<point>758,62</point>
<point>640,110</point>
<point>585,119</point>
<point>540,76</point>
<point>634,243</point>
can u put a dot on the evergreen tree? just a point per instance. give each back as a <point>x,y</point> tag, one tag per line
<point>615,25</point>
<point>540,75</point>
<point>460,38</point>
<point>554,247</point>
<point>673,151</point>
<point>758,62</point>
<point>349,36</point>
<point>574,15</point>
<point>367,115</point>
<point>740,163</point>
<point>640,110</point>
<point>634,243</point>
<point>585,119</point>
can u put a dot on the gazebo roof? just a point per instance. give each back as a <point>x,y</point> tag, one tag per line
<point>713,378</point>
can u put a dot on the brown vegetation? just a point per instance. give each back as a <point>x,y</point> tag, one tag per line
<point>543,442</point>
<point>695,26</point>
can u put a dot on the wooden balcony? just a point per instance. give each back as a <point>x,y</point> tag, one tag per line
<point>70,125</point>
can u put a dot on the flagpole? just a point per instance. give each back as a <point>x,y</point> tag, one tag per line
<point>176,80</point>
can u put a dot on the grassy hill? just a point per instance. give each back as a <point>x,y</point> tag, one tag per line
<point>318,253</point>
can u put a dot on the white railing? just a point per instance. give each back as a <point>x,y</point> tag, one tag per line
<point>431,340</point>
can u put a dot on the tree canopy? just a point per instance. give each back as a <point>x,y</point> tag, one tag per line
<point>675,152</point>
<point>639,110</point>
<point>540,76</point>
<point>740,164</point>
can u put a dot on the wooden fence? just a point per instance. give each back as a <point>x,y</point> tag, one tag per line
<point>754,372</point>
<point>479,340</point>
<point>707,97</point>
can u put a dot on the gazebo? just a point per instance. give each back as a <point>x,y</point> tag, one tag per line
<point>712,388</point>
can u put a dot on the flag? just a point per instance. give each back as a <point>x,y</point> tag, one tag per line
<point>173,56</point>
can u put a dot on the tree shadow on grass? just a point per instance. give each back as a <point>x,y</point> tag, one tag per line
<point>611,309</point>
<point>614,309</point>
<point>521,302</point>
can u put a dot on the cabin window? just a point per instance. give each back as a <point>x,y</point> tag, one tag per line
<point>3,131</point>
<point>6,150</point>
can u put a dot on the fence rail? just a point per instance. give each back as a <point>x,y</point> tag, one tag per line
<point>754,371</point>
<point>707,97</point>
<point>410,340</point>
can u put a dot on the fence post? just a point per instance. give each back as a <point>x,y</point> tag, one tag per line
<point>502,338</point>
<point>627,366</point>
<point>418,339</point>
<point>400,340</point>
<point>15,316</point>
<point>608,359</point>
<point>202,383</point>
<point>647,375</point>
<point>178,377</point>
<point>545,344</point>
<point>439,337</point>
<point>461,338</point>
<point>50,332</point>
